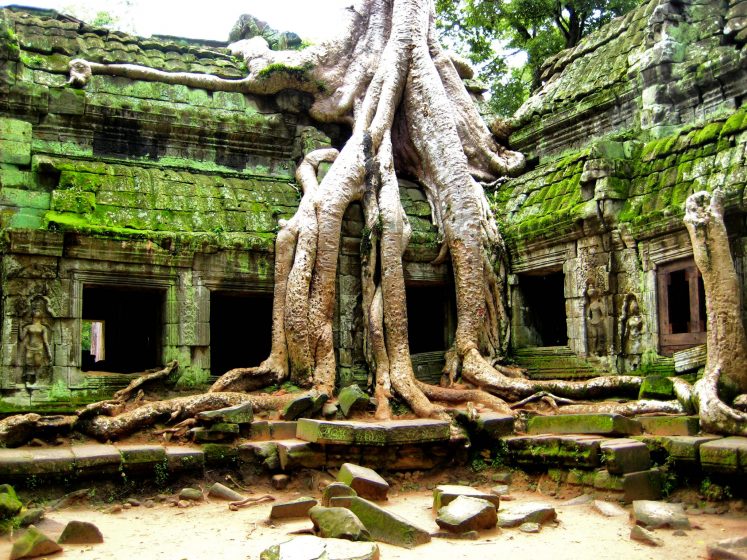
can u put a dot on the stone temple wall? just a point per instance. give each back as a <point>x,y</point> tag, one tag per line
<point>146,192</point>
<point>626,126</point>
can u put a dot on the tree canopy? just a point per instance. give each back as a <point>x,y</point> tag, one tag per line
<point>491,31</point>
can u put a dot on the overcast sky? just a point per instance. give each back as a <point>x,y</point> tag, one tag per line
<point>208,19</point>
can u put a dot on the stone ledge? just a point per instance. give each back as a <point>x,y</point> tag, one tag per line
<point>396,432</point>
<point>603,424</point>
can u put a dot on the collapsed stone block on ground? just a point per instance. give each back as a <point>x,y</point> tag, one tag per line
<point>383,525</point>
<point>467,513</point>
<point>295,508</point>
<point>366,482</point>
<point>444,494</point>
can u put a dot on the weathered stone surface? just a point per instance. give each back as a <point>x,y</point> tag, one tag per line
<point>653,515</point>
<point>395,432</point>
<point>642,485</point>
<point>444,494</point>
<point>640,534</point>
<point>265,453</point>
<point>529,512</point>
<point>608,509</point>
<point>31,517</point>
<point>352,398</point>
<point>184,459</point>
<point>670,425</point>
<point>727,455</point>
<point>298,407</point>
<point>239,414</point>
<point>686,449</point>
<point>625,455</point>
<point>280,481</point>
<point>314,548</point>
<point>604,424</point>
<point>192,494</point>
<point>96,458</point>
<point>10,505</point>
<point>555,450</point>
<point>466,513</point>
<point>729,549</point>
<point>141,459</point>
<point>338,523</point>
<point>656,387</point>
<point>690,358</point>
<point>530,527</point>
<point>335,490</point>
<point>221,492</point>
<point>500,490</point>
<point>295,508</point>
<point>300,454</point>
<point>35,461</point>
<point>384,525</point>
<point>366,482</point>
<point>33,543</point>
<point>283,429</point>
<point>80,532</point>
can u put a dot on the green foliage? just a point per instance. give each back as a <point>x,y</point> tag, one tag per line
<point>488,32</point>
<point>714,492</point>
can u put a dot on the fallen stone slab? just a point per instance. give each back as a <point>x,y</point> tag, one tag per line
<point>239,414</point>
<point>366,482</point>
<point>336,490</point>
<point>80,532</point>
<point>729,549</point>
<point>10,505</point>
<point>642,485</point>
<point>444,494</point>
<point>352,398</point>
<point>383,525</point>
<point>625,455</point>
<point>295,508</point>
<point>466,513</point>
<point>638,533</point>
<point>653,515</point>
<point>530,512</point>
<point>603,424</point>
<point>33,543</point>
<point>468,536</point>
<point>31,517</point>
<point>530,527</point>
<point>307,547</point>
<point>338,523</point>
<point>221,492</point>
<point>608,509</point>
<point>298,407</point>
<point>725,455</point>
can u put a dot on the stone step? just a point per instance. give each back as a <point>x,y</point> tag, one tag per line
<point>690,358</point>
<point>393,432</point>
<point>98,460</point>
<point>603,424</point>
<point>551,450</point>
<point>554,362</point>
<point>670,425</point>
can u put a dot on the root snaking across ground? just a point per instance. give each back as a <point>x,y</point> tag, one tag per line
<point>389,80</point>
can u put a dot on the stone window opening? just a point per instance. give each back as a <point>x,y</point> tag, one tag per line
<point>681,306</point>
<point>543,309</point>
<point>240,329</point>
<point>121,329</point>
<point>430,312</point>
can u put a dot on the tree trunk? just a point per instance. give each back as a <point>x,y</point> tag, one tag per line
<point>726,362</point>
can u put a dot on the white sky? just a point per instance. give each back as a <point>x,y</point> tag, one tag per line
<point>210,19</point>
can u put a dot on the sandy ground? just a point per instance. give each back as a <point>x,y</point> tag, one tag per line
<point>211,531</point>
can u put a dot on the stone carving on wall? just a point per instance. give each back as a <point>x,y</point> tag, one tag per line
<point>631,333</point>
<point>34,343</point>
<point>596,324</point>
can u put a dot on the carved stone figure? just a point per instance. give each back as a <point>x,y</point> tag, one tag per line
<point>595,322</point>
<point>631,332</point>
<point>35,347</point>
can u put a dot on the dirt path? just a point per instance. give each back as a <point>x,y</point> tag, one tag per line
<point>210,531</point>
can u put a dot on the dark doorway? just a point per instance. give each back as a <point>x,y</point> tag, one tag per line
<point>127,323</point>
<point>430,309</point>
<point>544,308</point>
<point>682,314</point>
<point>240,330</point>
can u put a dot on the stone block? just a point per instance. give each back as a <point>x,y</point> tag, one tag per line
<point>686,449</point>
<point>445,494</point>
<point>295,454</point>
<point>654,515</point>
<point>141,459</point>
<point>261,453</point>
<point>308,547</point>
<point>550,450</point>
<point>643,485</point>
<point>670,425</point>
<point>625,455</point>
<point>495,425</point>
<point>384,526</point>
<point>336,490</point>
<point>295,508</point>
<point>603,480</point>
<point>401,432</point>
<point>529,512</point>
<point>603,424</point>
<point>96,459</point>
<point>656,387</point>
<point>725,455</point>
<point>283,430</point>
<point>260,430</point>
<point>184,459</point>
<point>22,463</point>
<point>319,431</point>
<point>18,153</point>
<point>352,398</point>
<point>366,482</point>
<point>466,513</point>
